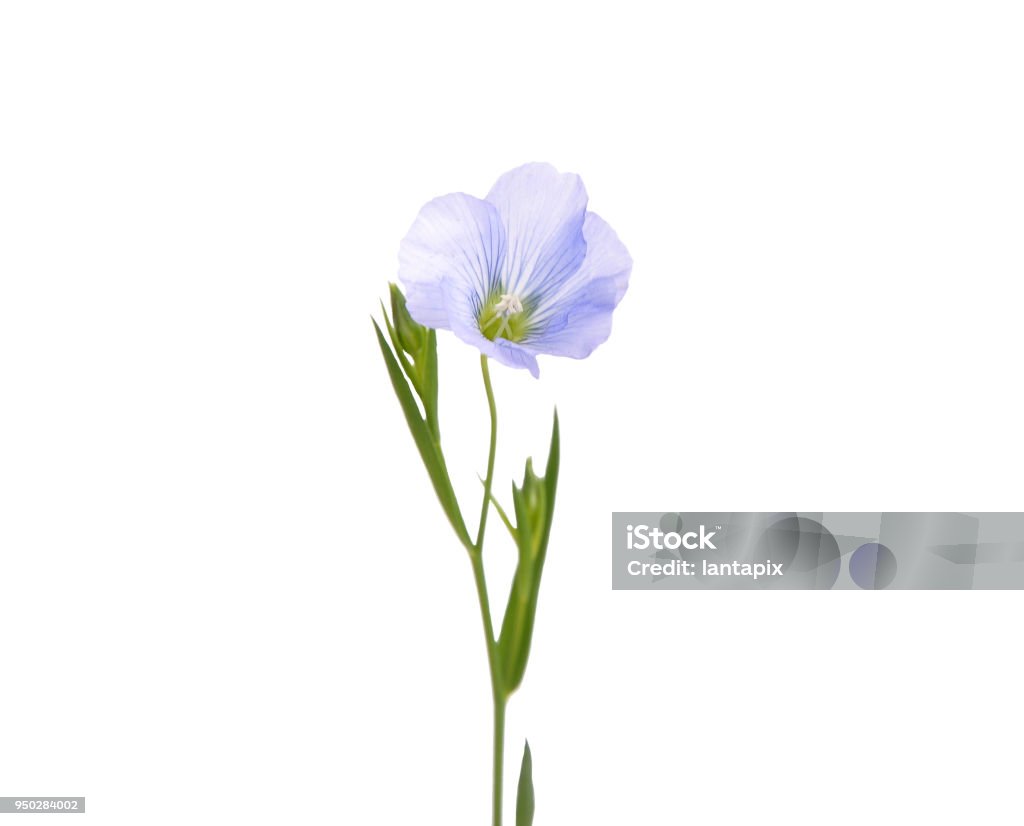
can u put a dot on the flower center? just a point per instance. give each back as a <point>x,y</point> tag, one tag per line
<point>504,317</point>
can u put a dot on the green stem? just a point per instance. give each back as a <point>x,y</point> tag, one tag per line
<point>497,691</point>
<point>501,513</point>
<point>499,755</point>
<point>476,558</point>
<point>490,455</point>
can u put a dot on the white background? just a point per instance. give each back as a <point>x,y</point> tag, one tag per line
<point>226,591</point>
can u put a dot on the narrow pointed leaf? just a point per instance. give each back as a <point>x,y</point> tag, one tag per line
<point>532,540</point>
<point>551,474</point>
<point>524,797</point>
<point>428,447</point>
<point>428,366</point>
<point>407,366</point>
<point>412,339</point>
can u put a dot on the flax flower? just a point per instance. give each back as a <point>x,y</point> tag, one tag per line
<point>525,271</point>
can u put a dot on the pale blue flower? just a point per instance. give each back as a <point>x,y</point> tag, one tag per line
<point>523,272</point>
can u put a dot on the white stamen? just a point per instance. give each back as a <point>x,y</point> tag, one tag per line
<point>508,304</point>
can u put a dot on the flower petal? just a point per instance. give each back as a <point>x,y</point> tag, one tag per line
<point>455,238</point>
<point>578,317</point>
<point>542,211</point>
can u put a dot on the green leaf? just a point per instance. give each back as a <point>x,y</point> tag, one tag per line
<point>410,369</point>
<point>429,447</point>
<point>428,366</point>
<point>551,472</point>
<point>534,504</point>
<point>524,797</point>
<point>411,339</point>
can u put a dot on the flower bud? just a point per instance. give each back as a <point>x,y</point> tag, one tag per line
<point>533,508</point>
<point>410,334</point>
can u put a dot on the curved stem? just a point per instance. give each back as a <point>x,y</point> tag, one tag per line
<point>490,456</point>
<point>476,557</point>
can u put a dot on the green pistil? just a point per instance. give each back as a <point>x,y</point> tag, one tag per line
<point>503,316</point>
